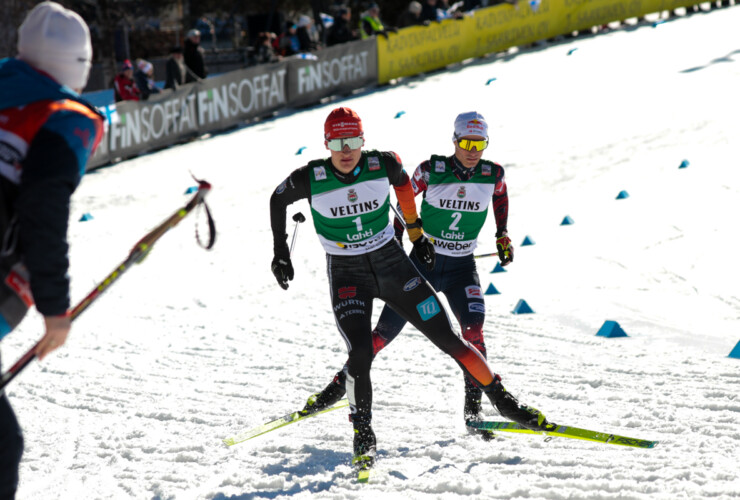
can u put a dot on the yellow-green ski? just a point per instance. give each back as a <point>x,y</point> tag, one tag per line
<point>363,475</point>
<point>566,432</point>
<point>288,419</point>
<point>363,465</point>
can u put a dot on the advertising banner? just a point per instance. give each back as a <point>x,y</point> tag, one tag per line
<point>100,156</point>
<point>335,70</point>
<point>138,126</point>
<point>420,49</point>
<point>235,97</point>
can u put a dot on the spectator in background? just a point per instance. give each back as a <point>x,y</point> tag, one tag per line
<point>124,87</point>
<point>370,23</point>
<point>411,16</point>
<point>175,68</point>
<point>454,11</point>
<point>306,34</point>
<point>469,5</point>
<point>288,43</point>
<point>194,59</point>
<point>341,31</point>
<point>429,11</point>
<point>144,78</point>
<point>206,28</point>
<point>264,51</point>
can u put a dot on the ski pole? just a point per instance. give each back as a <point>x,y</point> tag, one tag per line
<point>298,218</point>
<point>485,255</point>
<point>398,216</point>
<point>137,254</point>
<point>403,222</point>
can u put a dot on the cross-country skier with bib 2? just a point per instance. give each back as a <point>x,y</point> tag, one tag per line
<point>457,192</point>
<point>349,195</point>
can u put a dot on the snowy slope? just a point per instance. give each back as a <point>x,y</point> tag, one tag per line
<point>193,346</point>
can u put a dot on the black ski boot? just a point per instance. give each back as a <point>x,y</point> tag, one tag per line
<point>472,411</point>
<point>364,449</point>
<point>510,408</point>
<point>330,395</point>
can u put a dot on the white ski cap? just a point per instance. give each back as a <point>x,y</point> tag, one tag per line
<point>56,41</point>
<point>470,123</point>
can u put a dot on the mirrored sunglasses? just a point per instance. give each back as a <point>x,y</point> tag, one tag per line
<point>338,144</point>
<point>468,144</point>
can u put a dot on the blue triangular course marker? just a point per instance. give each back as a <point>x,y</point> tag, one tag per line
<point>684,164</point>
<point>567,221</point>
<point>191,190</point>
<point>522,307</point>
<point>86,217</point>
<point>735,352</point>
<point>400,114</point>
<point>492,290</point>
<point>490,80</point>
<point>572,50</point>
<point>622,195</point>
<point>610,329</point>
<point>498,269</point>
<point>300,150</point>
<point>527,241</point>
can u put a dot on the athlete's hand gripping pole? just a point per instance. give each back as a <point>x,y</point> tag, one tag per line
<point>282,267</point>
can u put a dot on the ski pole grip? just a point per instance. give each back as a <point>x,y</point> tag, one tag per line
<point>298,218</point>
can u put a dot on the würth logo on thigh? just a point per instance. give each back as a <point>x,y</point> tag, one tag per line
<point>347,292</point>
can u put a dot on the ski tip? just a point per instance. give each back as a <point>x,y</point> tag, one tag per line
<point>363,476</point>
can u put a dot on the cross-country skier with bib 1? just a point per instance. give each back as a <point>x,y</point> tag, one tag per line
<point>349,195</point>
<point>457,192</point>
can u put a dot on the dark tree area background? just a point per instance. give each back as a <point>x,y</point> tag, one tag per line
<point>148,29</point>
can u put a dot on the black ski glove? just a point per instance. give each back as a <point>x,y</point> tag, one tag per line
<point>505,248</point>
<point>424,250</point>
<point>282,268</point>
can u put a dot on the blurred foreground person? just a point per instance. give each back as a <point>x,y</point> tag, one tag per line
<point>47,134</point>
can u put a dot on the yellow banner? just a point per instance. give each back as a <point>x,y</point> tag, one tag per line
<point>420,49</point>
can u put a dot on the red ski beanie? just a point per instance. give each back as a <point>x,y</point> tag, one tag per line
<point>341,123</point>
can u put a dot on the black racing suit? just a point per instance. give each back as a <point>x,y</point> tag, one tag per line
<point>387,274</point>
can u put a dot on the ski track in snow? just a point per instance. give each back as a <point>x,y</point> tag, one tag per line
<point>192,347</point>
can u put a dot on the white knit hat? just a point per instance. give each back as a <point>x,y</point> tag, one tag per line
<point>470,123</point>
<point>56,41</point>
